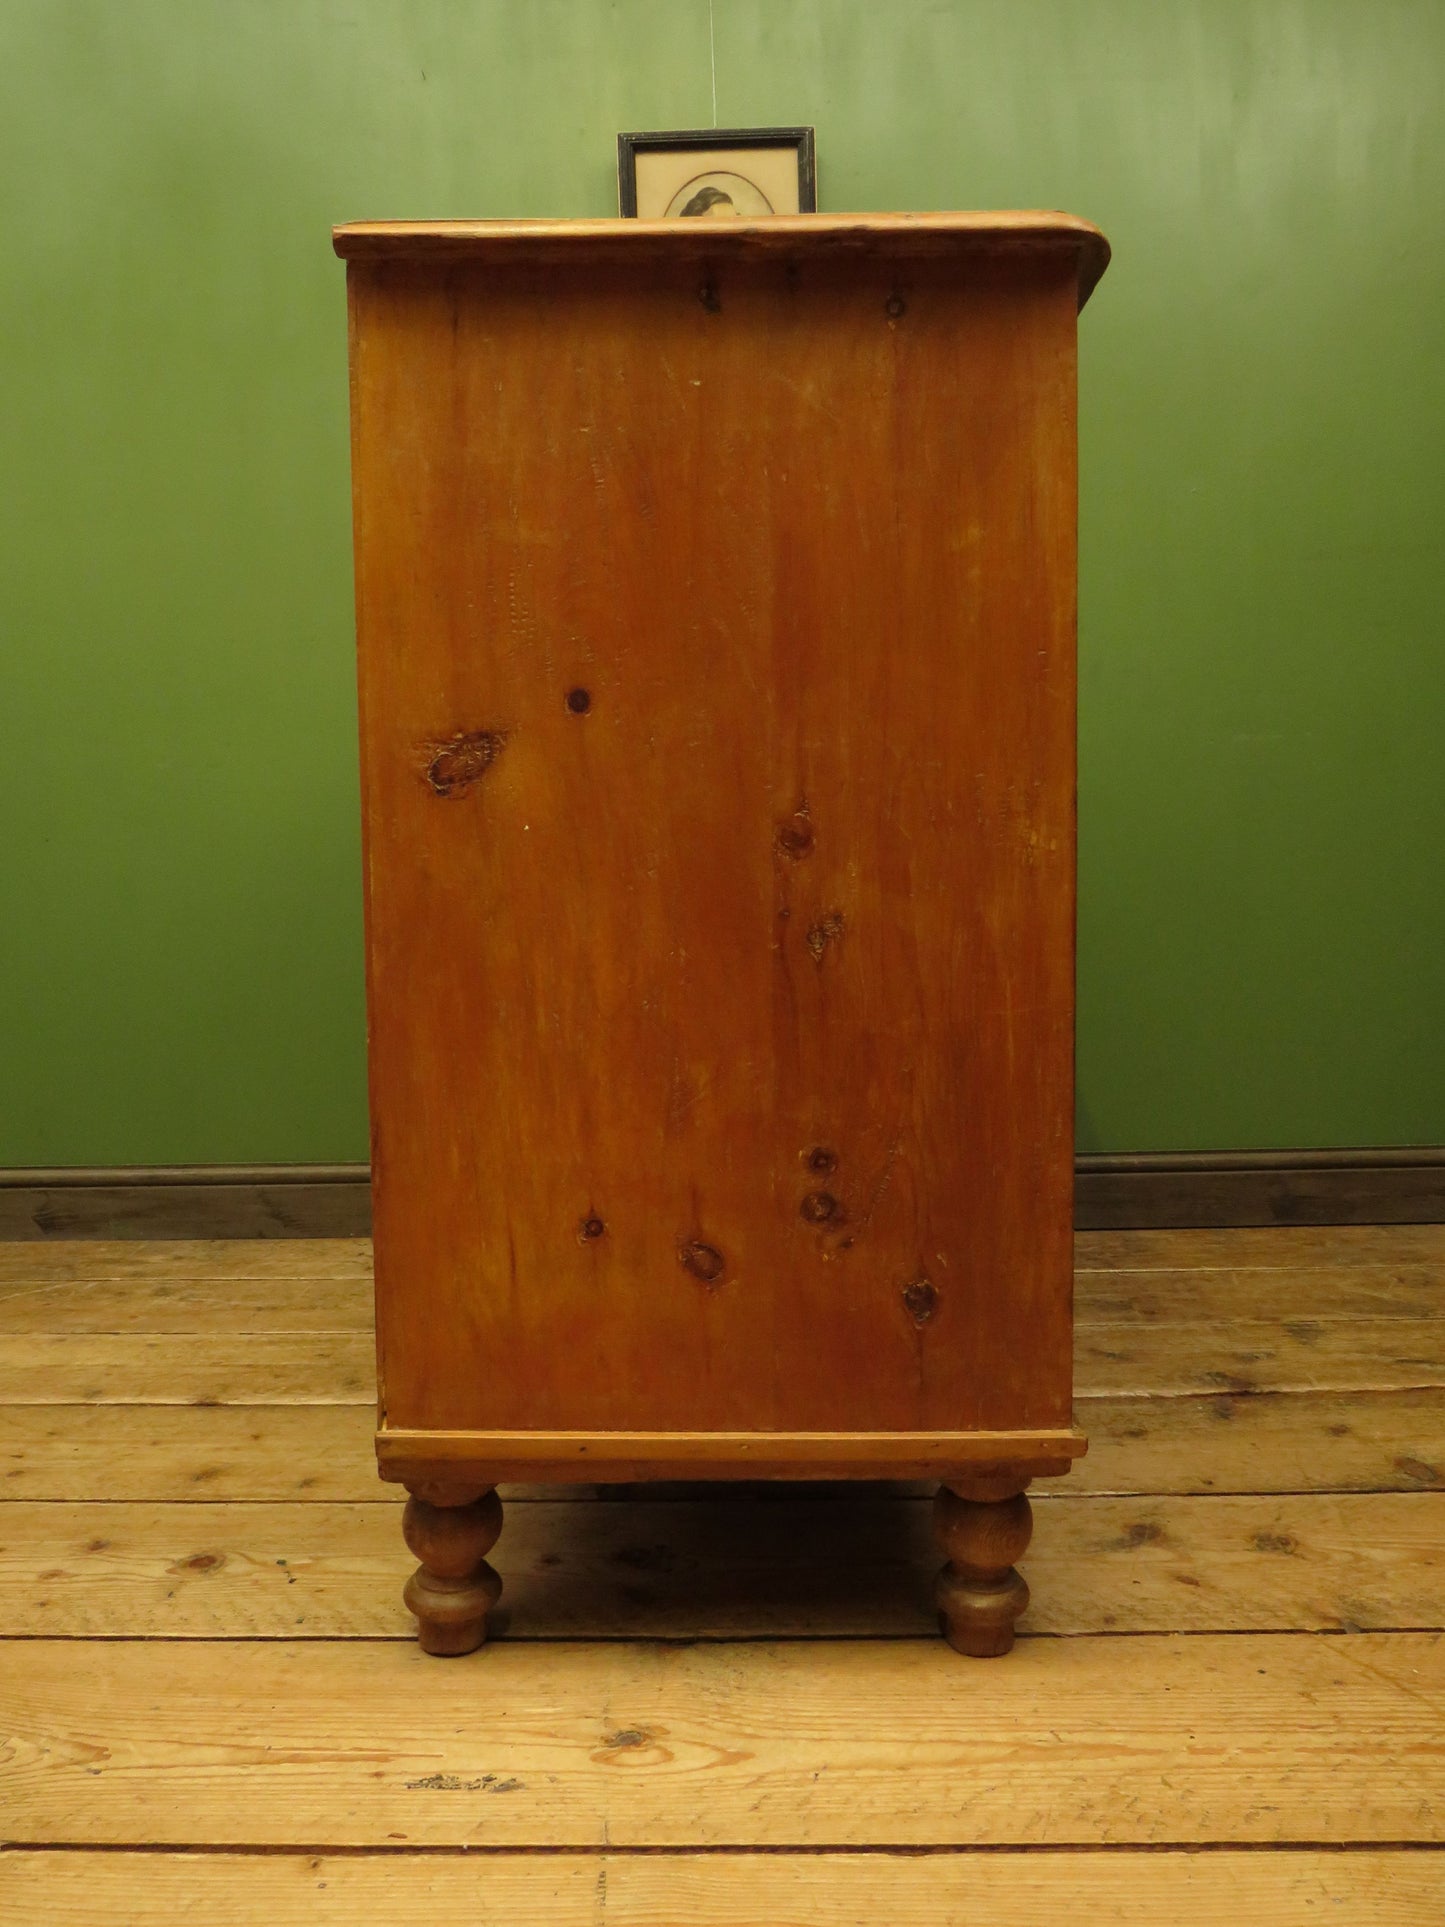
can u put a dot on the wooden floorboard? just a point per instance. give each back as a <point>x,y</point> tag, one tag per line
<point>1268,1442</point>
<point>86,1260</point>
<point>1302,1888</point>
<point>1204,1296</point>
<point>725,1568</point>
<point>724,1708</point>
<point>1301,1354</point>
<point>1153,1741</point>
<point>185,1368</point>
<point>1272,1247</point>
<point>200,1305</point>
<point>338,1368</point>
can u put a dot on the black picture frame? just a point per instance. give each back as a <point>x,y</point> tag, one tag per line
<point>705,140</point>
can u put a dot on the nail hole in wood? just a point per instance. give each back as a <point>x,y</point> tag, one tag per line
<point>579,701</point>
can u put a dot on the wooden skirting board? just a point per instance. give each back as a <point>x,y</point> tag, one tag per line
<point>1136,1192</point>
<point>1132,1191</point>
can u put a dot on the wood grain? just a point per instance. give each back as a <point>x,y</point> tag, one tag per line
<point>263,1704</point>
<point>724,1568</point>
<point>167,1303</point>
<point>1263,1249</point>
<point>1265,1442</point>
<point>93,1259</point>
<point>163,1300</point>
<point>331,1367</point>
<point>1233,1738</point>
<point>133,1205</point>
<point>1298,1888</point>
<point>965,238</point>
<point>629,1456</point>
<point>1284,1442</point>
<point>715,618</point>
<point>1143,1299</point>
<point>1262,1188</point>
<point>165,1368</point>
<point>1284,1248</point>
<point>1291,1355</point>
<point>181,1452</point>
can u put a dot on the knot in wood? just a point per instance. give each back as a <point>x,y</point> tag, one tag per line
<point>825,931</point>
<point>704,1261</point>
<point>921,1300</point>
<point>795,836</point>
<point>456,765</point>
<point>821,1207</point>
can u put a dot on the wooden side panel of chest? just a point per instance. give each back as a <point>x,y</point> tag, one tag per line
<point>716,626</point>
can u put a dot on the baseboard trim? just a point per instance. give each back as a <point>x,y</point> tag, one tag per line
<point>1112,1193</point>
<point>1204,1188</point>
<point>188,1201</point>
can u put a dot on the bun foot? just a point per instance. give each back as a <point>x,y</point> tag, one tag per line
<point>451,1529</point>
<point>978,1592</point>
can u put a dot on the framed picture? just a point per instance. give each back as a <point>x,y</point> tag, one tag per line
<point>717,173</point>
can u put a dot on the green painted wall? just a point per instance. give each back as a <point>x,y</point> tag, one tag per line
<point>1263,419</point>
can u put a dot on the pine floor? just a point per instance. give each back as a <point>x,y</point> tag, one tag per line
<point>1229,1702</point>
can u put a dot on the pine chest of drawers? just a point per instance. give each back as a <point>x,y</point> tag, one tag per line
<point>715,599</point>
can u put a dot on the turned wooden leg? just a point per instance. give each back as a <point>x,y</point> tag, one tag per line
<point>451,1529</point>
<point>982,1530</point>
